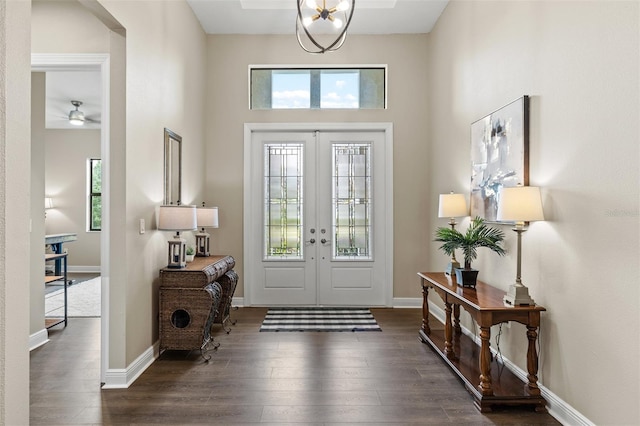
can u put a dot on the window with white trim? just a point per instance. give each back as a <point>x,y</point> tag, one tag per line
<point>318,88</point>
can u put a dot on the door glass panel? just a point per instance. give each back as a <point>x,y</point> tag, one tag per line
<point>283,201</point>
<point>351,201</point>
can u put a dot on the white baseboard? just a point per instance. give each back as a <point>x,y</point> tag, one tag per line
<point>84,269</point>
<point>407,302</point>
<point>38,339</point>
<point>122,378</point>
<point>558,409</point>
<point>398,302</point>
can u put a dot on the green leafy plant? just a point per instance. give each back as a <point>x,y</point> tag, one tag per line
<point>190,251</point>
<point>479,234</point>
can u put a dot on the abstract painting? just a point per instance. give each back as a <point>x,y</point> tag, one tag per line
<point>499,156</point>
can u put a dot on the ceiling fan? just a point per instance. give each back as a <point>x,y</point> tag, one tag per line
<point>77,117</point>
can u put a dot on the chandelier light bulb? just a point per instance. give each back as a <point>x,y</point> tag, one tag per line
<point>312,4</point>
<point>307,21</point>
<point>337,22</point>
<point>342,6</point>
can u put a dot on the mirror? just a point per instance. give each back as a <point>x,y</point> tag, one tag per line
<point>172,167</point>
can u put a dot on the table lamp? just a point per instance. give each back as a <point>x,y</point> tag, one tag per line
<point>177,218</point>
<point>48,204</point>
<point>207,217</point>
<point>452,205</point>
<point>519,204</point>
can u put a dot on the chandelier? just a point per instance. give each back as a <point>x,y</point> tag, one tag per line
<point>309,11</point>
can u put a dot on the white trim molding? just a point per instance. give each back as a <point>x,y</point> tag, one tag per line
<point>122,378</point>
<point>38,339</point>
<point>82,269</point>
<point>44,62</point>
<point>407,302</point>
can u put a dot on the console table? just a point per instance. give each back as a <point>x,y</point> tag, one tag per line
<point>56,241</point>
<point>194,298</point>
<point>485,305</point>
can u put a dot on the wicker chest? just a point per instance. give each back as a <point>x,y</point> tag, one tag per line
<point>194,298</point>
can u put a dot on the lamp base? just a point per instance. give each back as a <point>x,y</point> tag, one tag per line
<point>518,295</point>
<point>451,267</point>
<point>202,244</point>
<point>177,253</point>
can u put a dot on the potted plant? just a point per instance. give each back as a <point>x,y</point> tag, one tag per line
<point>190,254</point>
<point>479,234</point>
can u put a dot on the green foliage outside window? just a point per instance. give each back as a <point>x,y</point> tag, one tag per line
<point>95,195</point>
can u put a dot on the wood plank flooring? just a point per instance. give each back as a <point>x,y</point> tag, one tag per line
<point>293,378</point>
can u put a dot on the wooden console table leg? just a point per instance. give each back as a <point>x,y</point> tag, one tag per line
<point>425,309</point>
<point>532,388</point>
<point>485,362</point>
<point>448,332</point>
<point>457,330</point>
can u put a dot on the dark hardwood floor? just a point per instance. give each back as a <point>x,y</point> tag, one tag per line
<point>310,378</point>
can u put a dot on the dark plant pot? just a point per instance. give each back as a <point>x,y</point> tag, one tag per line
<point>466,277</point>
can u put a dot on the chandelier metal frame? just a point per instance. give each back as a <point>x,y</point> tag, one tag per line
<point>323,13</point>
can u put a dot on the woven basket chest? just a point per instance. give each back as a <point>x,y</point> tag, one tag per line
<point>194,298</point>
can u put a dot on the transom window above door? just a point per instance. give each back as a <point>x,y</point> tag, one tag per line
<point>317,88</point>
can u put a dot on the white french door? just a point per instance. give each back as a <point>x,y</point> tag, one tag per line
<point>318,213</point>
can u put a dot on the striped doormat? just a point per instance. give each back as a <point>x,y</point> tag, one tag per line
<point>319,319</point>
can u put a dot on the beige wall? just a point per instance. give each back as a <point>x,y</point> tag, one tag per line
<point>63,26</point>
<point>579,63</point>
<point>165,68</point>
<point>37,265</point>
<point>66,155</point>
<point>15,147</point>
<point>227,110</point>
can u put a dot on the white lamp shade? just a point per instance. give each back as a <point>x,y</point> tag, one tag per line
<point>48,203</point>
<point>207,217</point>
<point>520,204</point>
<point>177,218</point>
<point>452,205</point>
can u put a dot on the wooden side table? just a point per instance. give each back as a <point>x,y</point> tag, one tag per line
<point>485,305</point>
<point>191,300</point>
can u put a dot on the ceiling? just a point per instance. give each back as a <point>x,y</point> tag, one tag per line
<point>62,87</point>
<point>242,17</point>
<point>279,16</point>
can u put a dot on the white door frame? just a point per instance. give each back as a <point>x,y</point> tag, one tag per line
<point>93,62</point>
<point>248,239</point>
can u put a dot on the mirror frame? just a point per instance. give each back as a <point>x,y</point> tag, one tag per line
<point>172,167</point>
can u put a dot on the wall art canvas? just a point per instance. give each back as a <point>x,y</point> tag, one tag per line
<point>499,156</point>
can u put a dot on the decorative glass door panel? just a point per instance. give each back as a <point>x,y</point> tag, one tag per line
<point>352,201</point>
<point>318,218</point>
<point>284,202</point>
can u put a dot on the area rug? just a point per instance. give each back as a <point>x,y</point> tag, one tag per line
<point>83,300</point>
<point>319,319</point>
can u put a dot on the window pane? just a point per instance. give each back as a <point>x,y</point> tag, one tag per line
<point>323,88</point>
<point>260,89</point>
<point>95,194</point>
<point>372,88</point>
<point>284,204</point>
<point>352,201</point>
<point>96,213</point>
<point>340,89</point>
<point>290,89</point>
<point>96,176</point>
